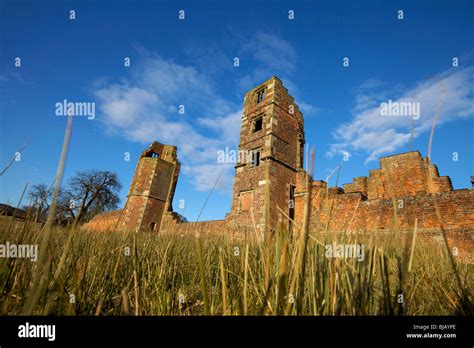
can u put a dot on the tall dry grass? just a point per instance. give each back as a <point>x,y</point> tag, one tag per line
<point>145,274</point>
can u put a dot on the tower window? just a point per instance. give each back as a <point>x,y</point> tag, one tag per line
<point>260,95</point>
<point>258,124</point>
<point>291,206</point>
<point>301,153</point>
<point>152,225</point>
<point>255,158</point>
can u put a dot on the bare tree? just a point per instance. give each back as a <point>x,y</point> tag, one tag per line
<point>40,197</point>
<point>90,193</point>
<point>65,207</point>
<point>85,195</point>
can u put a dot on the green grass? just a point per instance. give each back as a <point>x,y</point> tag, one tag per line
<point>149,274</point>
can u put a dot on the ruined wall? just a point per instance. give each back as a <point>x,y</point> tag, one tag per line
<point>249,196</point>
<point>390,199</point>
<point>339,211</point>
<point>401,175</point>
<point>359,184</point>
<point>280,182</point>
<point>150,195</point>
<point>173,224</point>
<point>400,186</point>
<point>105,222</point>
<point>152,188</point>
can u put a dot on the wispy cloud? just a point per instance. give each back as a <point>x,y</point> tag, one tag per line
<point>145,107</point>
<point>270,55</point>
<point>209,58</point>
<point>308,109</point>
<point>272,51</point>
<point>375,135</point>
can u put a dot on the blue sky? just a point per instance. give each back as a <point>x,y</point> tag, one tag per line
<point>190,62</point>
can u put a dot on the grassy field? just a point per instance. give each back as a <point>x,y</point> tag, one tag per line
<point>144,274</point>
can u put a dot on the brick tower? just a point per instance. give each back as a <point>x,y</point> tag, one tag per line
<point>271,152</point>
<point>152,189</point>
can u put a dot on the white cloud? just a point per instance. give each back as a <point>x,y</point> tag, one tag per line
<point>206,175</point>
<point>227,126</point>
<point>272,52</point>
<point>270,55</point>
<point>145,108</point>
<point>377,135</point>
<point>308,109</point>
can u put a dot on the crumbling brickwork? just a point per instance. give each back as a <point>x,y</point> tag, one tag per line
<point>174,225</point>
<point>272,186</point>
<point>397,193</point>
<point>105,222</point>
<point>151,192</point>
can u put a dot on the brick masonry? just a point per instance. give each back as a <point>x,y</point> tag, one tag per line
<point>271,186</point>
<point>151,193</point>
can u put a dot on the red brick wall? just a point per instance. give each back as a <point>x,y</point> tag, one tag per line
<point>397,193</point>
<point>280,180</point>
<point>173,224</point>
<point>403,175</point>
<point>402,180</point>
<point>105,222</point>
<point>152,189</point>
<point>137,197</point>
<point>375,186</point>
<point>360,184</point>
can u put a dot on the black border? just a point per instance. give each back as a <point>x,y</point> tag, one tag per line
<point>195,331</point>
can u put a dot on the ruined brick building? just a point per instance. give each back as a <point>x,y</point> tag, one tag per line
<point>271,185</point>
